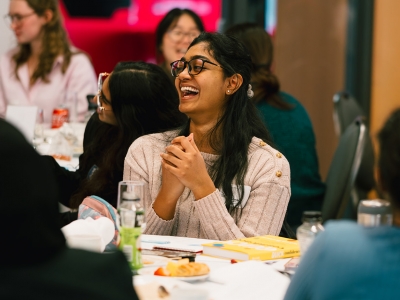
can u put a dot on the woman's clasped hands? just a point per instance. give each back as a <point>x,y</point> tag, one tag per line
<point>184,161</point>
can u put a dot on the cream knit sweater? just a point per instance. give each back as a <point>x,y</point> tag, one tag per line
<point>267,179</point>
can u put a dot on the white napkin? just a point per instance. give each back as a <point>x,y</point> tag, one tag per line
<point>101,227</point>
<point>249,280</point>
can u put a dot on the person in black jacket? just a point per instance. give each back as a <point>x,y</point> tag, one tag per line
<point>137,98</point>
<point>34,260</point>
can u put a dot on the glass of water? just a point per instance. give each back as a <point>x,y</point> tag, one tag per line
<point>372,213</point>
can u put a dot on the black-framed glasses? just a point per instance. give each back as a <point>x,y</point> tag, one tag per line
<point>102,77</point>
<point>17,19</point>
<point>195,66</point>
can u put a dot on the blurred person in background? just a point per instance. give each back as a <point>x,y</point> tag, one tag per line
<point>174,34</point>
<point>137,98</point>
<point>287,121</point>
<point>349,261</point>
<point>35,262</point>
<point>44,66</point>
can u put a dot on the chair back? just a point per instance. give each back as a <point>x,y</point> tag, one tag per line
<point>345,111</point>
<point>338,201</point>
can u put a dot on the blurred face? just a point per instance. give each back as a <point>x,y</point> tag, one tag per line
<point>204,94</point>
<point>106,114</point>
<point>178,38</point>
<point>25,23</point>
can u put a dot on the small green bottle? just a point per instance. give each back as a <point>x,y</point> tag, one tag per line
<point>132,221</point>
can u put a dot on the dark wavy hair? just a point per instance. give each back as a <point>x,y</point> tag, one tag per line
<point>168,22</point>
<point>389,157</point>
<point>54,42</point>
<point>238,124</point>
<point>259,45</point>
<point>143,101</point>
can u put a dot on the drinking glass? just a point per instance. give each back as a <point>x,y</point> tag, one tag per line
<point>69,99</point>
<point>130,194</point>
<point>372,213</point>
<point>38,135</point>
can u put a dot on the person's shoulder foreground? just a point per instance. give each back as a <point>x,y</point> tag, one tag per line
<point>72,274</point>
<point>349,261</point>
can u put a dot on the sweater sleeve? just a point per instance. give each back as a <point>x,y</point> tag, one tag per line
<point>137,167</point>
<point>265,209</point>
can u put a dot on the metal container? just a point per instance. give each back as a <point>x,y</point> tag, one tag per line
<point>372,213</point>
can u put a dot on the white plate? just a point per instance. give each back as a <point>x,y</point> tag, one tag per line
<point>156,261</point>
<point>193,278</point>
<point>150,271</point>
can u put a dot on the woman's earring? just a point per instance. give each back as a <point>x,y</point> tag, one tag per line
<point>229,91</point>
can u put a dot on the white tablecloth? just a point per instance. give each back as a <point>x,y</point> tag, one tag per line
<point>247,280</point>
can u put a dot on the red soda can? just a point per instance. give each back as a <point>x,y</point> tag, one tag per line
<point>60,115</point>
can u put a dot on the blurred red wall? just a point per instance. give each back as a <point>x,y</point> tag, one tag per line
<point>130,33</point>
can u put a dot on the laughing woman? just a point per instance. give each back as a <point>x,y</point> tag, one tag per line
<point>217,177</point>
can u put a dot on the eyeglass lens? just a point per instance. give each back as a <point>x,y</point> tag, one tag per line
<point>195,66</point>
<point>178,35</point>
<point>102,77</point>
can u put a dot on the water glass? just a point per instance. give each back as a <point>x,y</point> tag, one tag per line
<point>372,213</point>
<point>69,99</point>
<point>38,135</point>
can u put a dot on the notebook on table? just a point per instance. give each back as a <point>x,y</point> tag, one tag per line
<point>183,244</point>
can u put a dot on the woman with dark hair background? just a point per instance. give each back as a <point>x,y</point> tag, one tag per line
<point>137,98</point>
<point>287,121</point>
<point>217,177</point>
<point>350,261</point>
<point>174,34</point>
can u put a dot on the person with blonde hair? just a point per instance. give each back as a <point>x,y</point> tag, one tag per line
<point>44,67</point>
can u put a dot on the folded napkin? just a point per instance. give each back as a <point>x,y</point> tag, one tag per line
<point>101,229</point>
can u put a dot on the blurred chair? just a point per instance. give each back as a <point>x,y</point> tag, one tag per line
<point>345,111</point>
<point>339,200</point>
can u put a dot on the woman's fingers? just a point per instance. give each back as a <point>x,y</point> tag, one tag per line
<point>171,159</point>
<point>178,145</point>
<point>183,142</point>
<point>174,150</point>
<point>192,142</point>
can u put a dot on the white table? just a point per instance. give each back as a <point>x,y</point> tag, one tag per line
<point>274,284</point>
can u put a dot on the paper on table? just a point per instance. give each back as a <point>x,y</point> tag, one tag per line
<point>249,280</point>
<point>156,242</point>
<point>24,118</point>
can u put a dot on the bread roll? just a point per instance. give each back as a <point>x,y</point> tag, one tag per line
<point>192,269</point>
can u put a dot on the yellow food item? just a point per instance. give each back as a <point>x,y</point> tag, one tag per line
<point>191,269</point>
<point>172,266</point>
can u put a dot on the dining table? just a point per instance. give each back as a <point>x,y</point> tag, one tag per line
<point>226,280</point>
